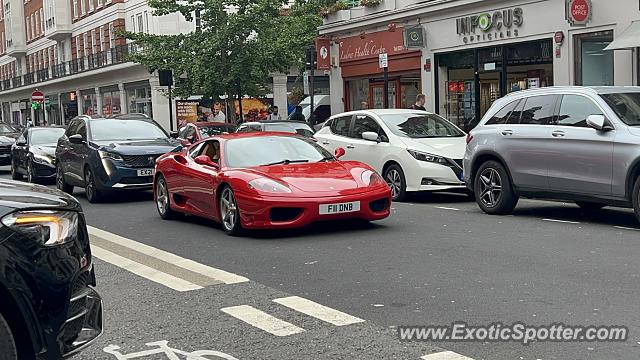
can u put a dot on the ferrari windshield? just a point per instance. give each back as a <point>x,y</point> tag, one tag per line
<point>213,130</point>
<point>416,125</point>
<point>268,150</point>
<point>292,127</point>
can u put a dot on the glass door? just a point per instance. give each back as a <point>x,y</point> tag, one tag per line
<point>376,94</point>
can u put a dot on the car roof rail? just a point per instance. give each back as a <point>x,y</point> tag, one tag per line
<point>129,116</point>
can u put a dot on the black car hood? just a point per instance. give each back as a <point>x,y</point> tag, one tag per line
<point>139,147</point>
<point>7,139</point>
<point>16,195</point>
<point>49,150</point>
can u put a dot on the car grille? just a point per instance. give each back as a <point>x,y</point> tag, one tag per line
<point>5,150</point>
<point>140,160</point>
<point>77,308</point>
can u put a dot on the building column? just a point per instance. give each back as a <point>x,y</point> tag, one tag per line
<point>124,107</point>
<point>98,101</point>
<point>160,104</point>
<point>280,94</point>
<point>79,101</point>
<point>45,112</point>
<point>61,110</point>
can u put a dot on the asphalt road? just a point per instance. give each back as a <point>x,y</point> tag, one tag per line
<point>436,260</point>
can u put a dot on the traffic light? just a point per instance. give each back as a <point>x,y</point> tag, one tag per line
<point>35,105</point>
<point>311,62</point>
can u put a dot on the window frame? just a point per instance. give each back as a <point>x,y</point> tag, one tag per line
<point>554,109</point>
<point>559,107</point>
<point>350,127</point>
<point>380,131</point>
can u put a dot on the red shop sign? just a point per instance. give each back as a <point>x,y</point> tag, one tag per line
<point>579,12</point>
<point>369,46</point>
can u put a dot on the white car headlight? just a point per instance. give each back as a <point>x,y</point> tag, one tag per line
<point>423,156</point>
<point>109,155</point>
<point>43,159</point>
<point>268,185</point>
<point>46,227</point>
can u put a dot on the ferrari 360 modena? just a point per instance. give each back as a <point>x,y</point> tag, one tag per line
<point>266,180</point>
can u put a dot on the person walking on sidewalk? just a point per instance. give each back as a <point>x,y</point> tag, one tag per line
<point>420,101</point>
<point>274,116</point>
<point>297,114</point>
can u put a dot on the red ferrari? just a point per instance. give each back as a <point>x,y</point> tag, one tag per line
<point>266,180</point>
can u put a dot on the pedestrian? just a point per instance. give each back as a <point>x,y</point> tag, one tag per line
<point>420,101</point>
<point>274,116</point>
<point>364,105</point>
<point>297,114</point>
<point>217,114</point>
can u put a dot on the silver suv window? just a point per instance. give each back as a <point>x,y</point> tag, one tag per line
<point>574,111</point>
<point>539,110</point>
<point>626,106</point>
<point>510,114</point>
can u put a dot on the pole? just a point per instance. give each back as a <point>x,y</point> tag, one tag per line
<point>170,110</point>
<point>386,87</point>
<point>239,89</point>
<point>312,119</point>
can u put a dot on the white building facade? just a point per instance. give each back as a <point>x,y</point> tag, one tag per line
<point>70,51</point>
<point>475,51</point>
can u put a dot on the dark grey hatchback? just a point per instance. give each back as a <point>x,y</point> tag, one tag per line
<point>48,307</point>
<point>108,154</point>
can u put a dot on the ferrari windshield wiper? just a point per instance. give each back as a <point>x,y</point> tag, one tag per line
<point>286,162</point>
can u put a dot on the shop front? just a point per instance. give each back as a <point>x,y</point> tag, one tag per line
<point>364,79</point>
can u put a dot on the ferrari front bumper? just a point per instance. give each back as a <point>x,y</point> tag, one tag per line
<point>285,213</point>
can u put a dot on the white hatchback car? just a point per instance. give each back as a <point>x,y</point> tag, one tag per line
<point>413,150</point>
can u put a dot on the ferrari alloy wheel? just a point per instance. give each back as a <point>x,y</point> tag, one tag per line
<point>61,184</point>
<point>91,190</point>
<point>229,213</point>
<point>394,176</point>
<point>163,199</point>
<point>15,175</point>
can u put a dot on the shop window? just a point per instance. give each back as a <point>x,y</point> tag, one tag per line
<point>593,64</point>
<point>575,109</point>
<point>503,116</point>
<point>140,101</point>
<point>539,110</point>
<point>358,93</point>
<point>340,126</point>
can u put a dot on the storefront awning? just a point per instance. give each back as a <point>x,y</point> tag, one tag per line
<point>628,40</point>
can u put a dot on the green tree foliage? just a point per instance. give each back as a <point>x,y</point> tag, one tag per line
<point>237,39</point>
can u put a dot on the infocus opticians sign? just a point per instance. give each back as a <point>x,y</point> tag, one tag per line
<point>489,26</point>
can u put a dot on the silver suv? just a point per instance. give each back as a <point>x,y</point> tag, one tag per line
<point>580,144</point>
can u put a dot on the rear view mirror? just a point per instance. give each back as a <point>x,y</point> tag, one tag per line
<point>339,152</point>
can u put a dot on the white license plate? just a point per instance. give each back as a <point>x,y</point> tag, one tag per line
<point>145,172</point>
<point>326,209</point>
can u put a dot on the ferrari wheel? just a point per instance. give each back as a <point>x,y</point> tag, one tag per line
<point>163,199</point>
<point>229,213</point>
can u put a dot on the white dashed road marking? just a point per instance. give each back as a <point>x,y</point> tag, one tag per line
<point>318,311</point>
<point>446,208</point>
<point>561,221</point>
<point>445,355</point>
<point>157,265</point>
<point>262,320</point>
<point>626,228</point>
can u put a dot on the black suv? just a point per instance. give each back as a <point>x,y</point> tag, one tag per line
<point>48,307</point>
<point>105,154</point>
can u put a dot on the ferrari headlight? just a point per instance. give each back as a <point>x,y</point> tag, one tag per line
<point>47,227</point>
<point>43,159</point>
<point>268,185</point>
<point>109,155</point>
<point>371,178</point>
<point>423,156</point>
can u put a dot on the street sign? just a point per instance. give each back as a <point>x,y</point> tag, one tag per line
<point>305,80</point>
<point>414,37</point>
<point>383,61</point>
<point>37,96</point>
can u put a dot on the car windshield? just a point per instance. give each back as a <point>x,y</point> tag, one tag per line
<point>264,150</point>
<point>415,125</point>
<point>4,128</point>
<point>212,130</point>
<point>626,106</point>
<point>102,130</point>
<point>46,136</point>
<point>296,128</point>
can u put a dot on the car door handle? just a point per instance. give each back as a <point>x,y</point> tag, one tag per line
<point>507,132</point>
<point>350,147</point>
<point>558,133</point>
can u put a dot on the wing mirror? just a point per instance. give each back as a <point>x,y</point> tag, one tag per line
<point>598,122</point>
<point>370,136</point>
<point>174,134</point>
<point>339,153</point>
<point>21,142</point>
<point>205,161</point>
<point>76,139</point>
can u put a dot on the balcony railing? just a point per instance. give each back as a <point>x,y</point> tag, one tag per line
<point>113,56</point>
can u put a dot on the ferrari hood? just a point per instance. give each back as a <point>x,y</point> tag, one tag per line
<point>331,176</point>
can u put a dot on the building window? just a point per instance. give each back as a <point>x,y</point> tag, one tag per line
<point>593,65</point>
<point>140,101</point>
<point>78,53</point>
<point>90,5</point>
<point>100,3</point>
<point>94,40</point>
<point>85,44</point>
<point>41,20</point>
<point>82,7</point>
<point>111,103</point>
<point>133,23</point>
<point>28,26</point>
<point>33,26</point>
<point>112,37</point>
<point>140,23</point>
<point>101,32</point>
<point>37,27</point>
<point>146,22</point>
<point>74,9</point>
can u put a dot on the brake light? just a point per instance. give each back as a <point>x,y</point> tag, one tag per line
<point>469,138</point>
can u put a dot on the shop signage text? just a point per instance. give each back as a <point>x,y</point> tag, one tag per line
<point>490,26</point>
<point>578,12</point>
<point>372,45</point>
<point>186,111</point>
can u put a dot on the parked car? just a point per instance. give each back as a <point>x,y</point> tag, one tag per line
<point>295,127</point>
<point>579,144</point>
<point>413,150</point>
<point>321,108</point>
<point>108,154</point>
<point>194,132</point>
<point>49,308</point>
<point>8,135</point>
<point>267,180</point>
<point>34,153</point>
